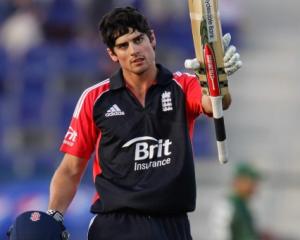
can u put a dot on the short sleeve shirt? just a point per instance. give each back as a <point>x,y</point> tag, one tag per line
<point>143,154</point>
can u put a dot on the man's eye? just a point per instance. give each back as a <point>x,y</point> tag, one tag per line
<point>139,40</point>
<point>122,46</point>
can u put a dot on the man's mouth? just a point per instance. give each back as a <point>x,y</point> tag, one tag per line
<point>138,60</point>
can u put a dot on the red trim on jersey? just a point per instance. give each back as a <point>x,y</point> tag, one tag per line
<point>83,136</point>
<point>96,165</point>
<point>192,89</point>
<point>96,168</point>
<point>95,197</point>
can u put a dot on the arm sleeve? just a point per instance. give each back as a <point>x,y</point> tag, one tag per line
<point>193,93</point>
<point>81,137</point>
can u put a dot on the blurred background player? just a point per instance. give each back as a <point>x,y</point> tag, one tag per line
<point>233,219</point>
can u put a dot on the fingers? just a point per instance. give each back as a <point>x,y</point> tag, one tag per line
<point>226,41</point>
<point>234,58</point>
<point>232,69</point>
<point>229,53</point>
<point>191,64</point>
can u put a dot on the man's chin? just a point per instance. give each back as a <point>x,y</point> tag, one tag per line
<point>139,70</point>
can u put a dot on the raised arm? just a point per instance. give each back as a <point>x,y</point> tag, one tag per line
<point>207,105</point>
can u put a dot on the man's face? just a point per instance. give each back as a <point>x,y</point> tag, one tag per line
<point>245,186</point>
<point>134,51</point>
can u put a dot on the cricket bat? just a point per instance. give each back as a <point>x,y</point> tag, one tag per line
<point>207,38</point>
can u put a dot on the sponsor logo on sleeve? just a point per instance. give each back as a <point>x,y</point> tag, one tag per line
<point>70,137</point>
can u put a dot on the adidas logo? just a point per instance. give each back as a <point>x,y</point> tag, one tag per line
<point>114,111</point>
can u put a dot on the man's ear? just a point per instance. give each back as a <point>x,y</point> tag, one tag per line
<point>153,39</point>
<point>112,55</point>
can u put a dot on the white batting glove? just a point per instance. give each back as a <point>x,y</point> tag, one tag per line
<point>232,61</point>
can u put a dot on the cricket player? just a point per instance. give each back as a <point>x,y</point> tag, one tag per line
<point>232,218</point>
<point>139,123</point>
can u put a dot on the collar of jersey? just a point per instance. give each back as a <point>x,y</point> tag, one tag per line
<point>164,76</point>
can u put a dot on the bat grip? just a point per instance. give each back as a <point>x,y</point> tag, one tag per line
<point>220,128</point>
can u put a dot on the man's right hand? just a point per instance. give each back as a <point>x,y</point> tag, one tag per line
<point>58,216</point>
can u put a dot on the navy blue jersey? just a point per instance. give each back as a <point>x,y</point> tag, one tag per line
<point>143,161</point>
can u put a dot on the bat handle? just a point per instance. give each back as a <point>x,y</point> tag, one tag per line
<point>220,128</point>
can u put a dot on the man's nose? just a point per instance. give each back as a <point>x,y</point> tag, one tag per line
<point>133,48</point>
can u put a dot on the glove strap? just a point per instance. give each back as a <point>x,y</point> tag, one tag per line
<point>58,216</point>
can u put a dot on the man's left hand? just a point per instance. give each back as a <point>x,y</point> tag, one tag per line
<point>232,61</point>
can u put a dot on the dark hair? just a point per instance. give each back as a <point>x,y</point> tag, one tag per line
<point>119,21</point>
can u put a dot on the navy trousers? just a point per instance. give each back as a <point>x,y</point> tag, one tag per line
<point>130,226</point>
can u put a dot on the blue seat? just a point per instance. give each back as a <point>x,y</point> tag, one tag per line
<point>37,71</point>
<point>38,60</point>
<point>81,58</point>
<point>66,110</point>
<point>80,68</point>
<point>203,139</point>
<point>5,164</point>
<point>4,68</point>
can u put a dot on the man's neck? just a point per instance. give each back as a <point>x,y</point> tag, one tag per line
<point>139,84</point>
<point>141,81</point>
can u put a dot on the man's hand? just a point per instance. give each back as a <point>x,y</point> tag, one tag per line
<point>37,225</point>
<point>232,61</point>
<point>60,218</point>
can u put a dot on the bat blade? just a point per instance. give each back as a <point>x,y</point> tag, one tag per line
<point>207,31</point>
<point>209,51</point>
